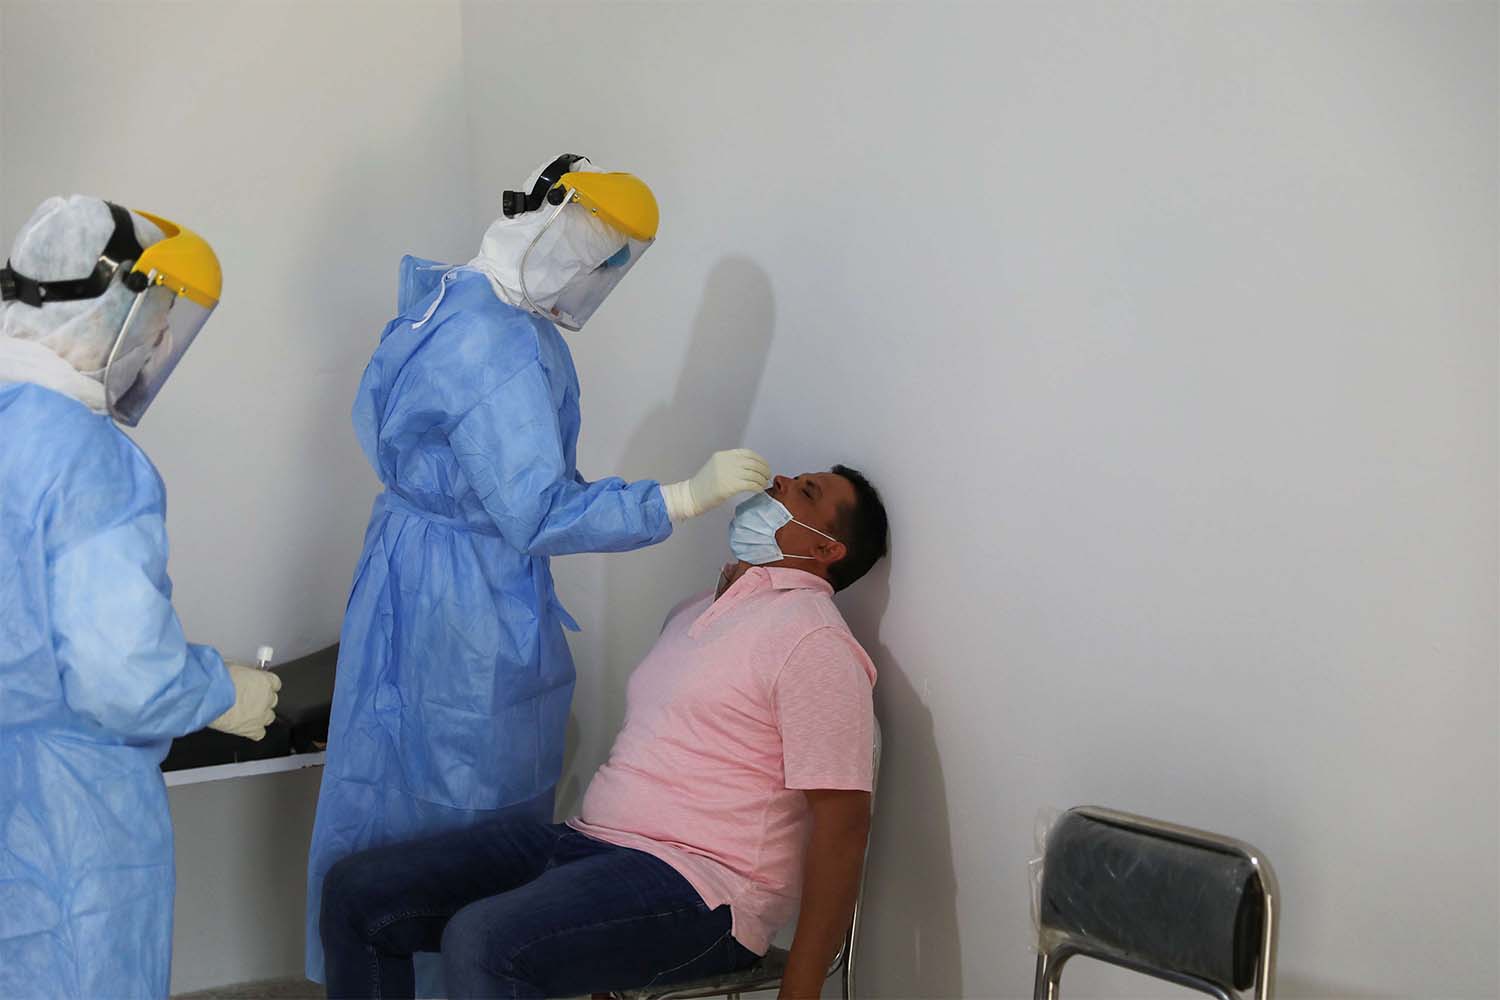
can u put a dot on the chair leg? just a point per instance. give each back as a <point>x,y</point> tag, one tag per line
<point>851,942</point>
<point>1048,971</point>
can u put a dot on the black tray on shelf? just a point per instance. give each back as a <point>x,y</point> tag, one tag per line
<point>301,724</point>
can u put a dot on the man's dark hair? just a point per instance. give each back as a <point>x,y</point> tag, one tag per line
<point>862,527</point>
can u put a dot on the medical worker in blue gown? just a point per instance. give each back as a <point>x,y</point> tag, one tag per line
<point>97,304</point>
<point>454,677</point>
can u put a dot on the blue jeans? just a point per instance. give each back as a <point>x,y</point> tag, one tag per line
<point>518,909</point>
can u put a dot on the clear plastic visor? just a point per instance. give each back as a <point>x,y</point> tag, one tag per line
<point>157,332</point>
<point>571,306</point>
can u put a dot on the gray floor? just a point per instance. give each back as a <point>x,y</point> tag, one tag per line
<point>266,989</point>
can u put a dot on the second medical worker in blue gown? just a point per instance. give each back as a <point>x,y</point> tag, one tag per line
<point>454,677</point>
<point>97,305</point>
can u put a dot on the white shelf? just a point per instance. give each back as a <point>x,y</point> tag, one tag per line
<point>244,769</point>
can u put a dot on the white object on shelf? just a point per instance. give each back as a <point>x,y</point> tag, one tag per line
<point>243,769</point>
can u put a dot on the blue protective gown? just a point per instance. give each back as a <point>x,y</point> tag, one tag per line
<point>454,677</point>
<point>95,681</point>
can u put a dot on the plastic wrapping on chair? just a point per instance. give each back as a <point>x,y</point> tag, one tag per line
<point>1150,901</point>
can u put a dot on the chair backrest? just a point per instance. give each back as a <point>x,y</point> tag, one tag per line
<point>1183,905</point>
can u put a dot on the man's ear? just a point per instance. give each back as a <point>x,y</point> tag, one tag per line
<point>830,552</point>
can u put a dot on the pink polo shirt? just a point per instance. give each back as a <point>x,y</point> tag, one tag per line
<point>742,704</point>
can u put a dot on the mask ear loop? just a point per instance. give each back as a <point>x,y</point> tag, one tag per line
<point>814,531</point>
<point>817,532</point>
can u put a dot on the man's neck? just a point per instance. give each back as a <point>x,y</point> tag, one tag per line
<point>729,575</point>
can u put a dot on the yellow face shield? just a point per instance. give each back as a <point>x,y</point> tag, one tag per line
<point>620,200</point>
<point>176,282</point>
<point>626,212</point>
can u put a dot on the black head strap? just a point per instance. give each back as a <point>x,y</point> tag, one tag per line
<point>514,203</point>
<point>122,249</point>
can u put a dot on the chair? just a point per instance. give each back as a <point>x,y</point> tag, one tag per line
<point>766,974</point>
<point>1189,907</point>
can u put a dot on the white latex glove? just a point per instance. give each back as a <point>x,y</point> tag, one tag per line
<point>254,703</point>
<point>722,476</point>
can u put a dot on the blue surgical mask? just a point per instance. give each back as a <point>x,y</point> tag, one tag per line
<point>752,533</point>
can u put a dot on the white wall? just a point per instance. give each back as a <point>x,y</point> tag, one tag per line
<point>312,145</point>
<point>241,878</point>
<point>1168,329</point>
<point>2,113</point>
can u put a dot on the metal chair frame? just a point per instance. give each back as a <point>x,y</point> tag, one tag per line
<point>1052,956</point>
<point>766,974</point>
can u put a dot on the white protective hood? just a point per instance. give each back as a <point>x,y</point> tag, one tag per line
<point>576,243</point>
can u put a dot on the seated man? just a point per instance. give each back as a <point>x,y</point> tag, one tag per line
<point>739,782</point>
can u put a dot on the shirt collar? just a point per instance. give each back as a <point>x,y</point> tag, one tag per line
<point>755,580</point>
<point>782,578</point>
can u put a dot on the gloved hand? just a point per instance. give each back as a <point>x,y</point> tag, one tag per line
<point>722,476</point>
<point>254,703</point>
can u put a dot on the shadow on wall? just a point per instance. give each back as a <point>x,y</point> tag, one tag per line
<point>709,411</point>
<point>909,945</point>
